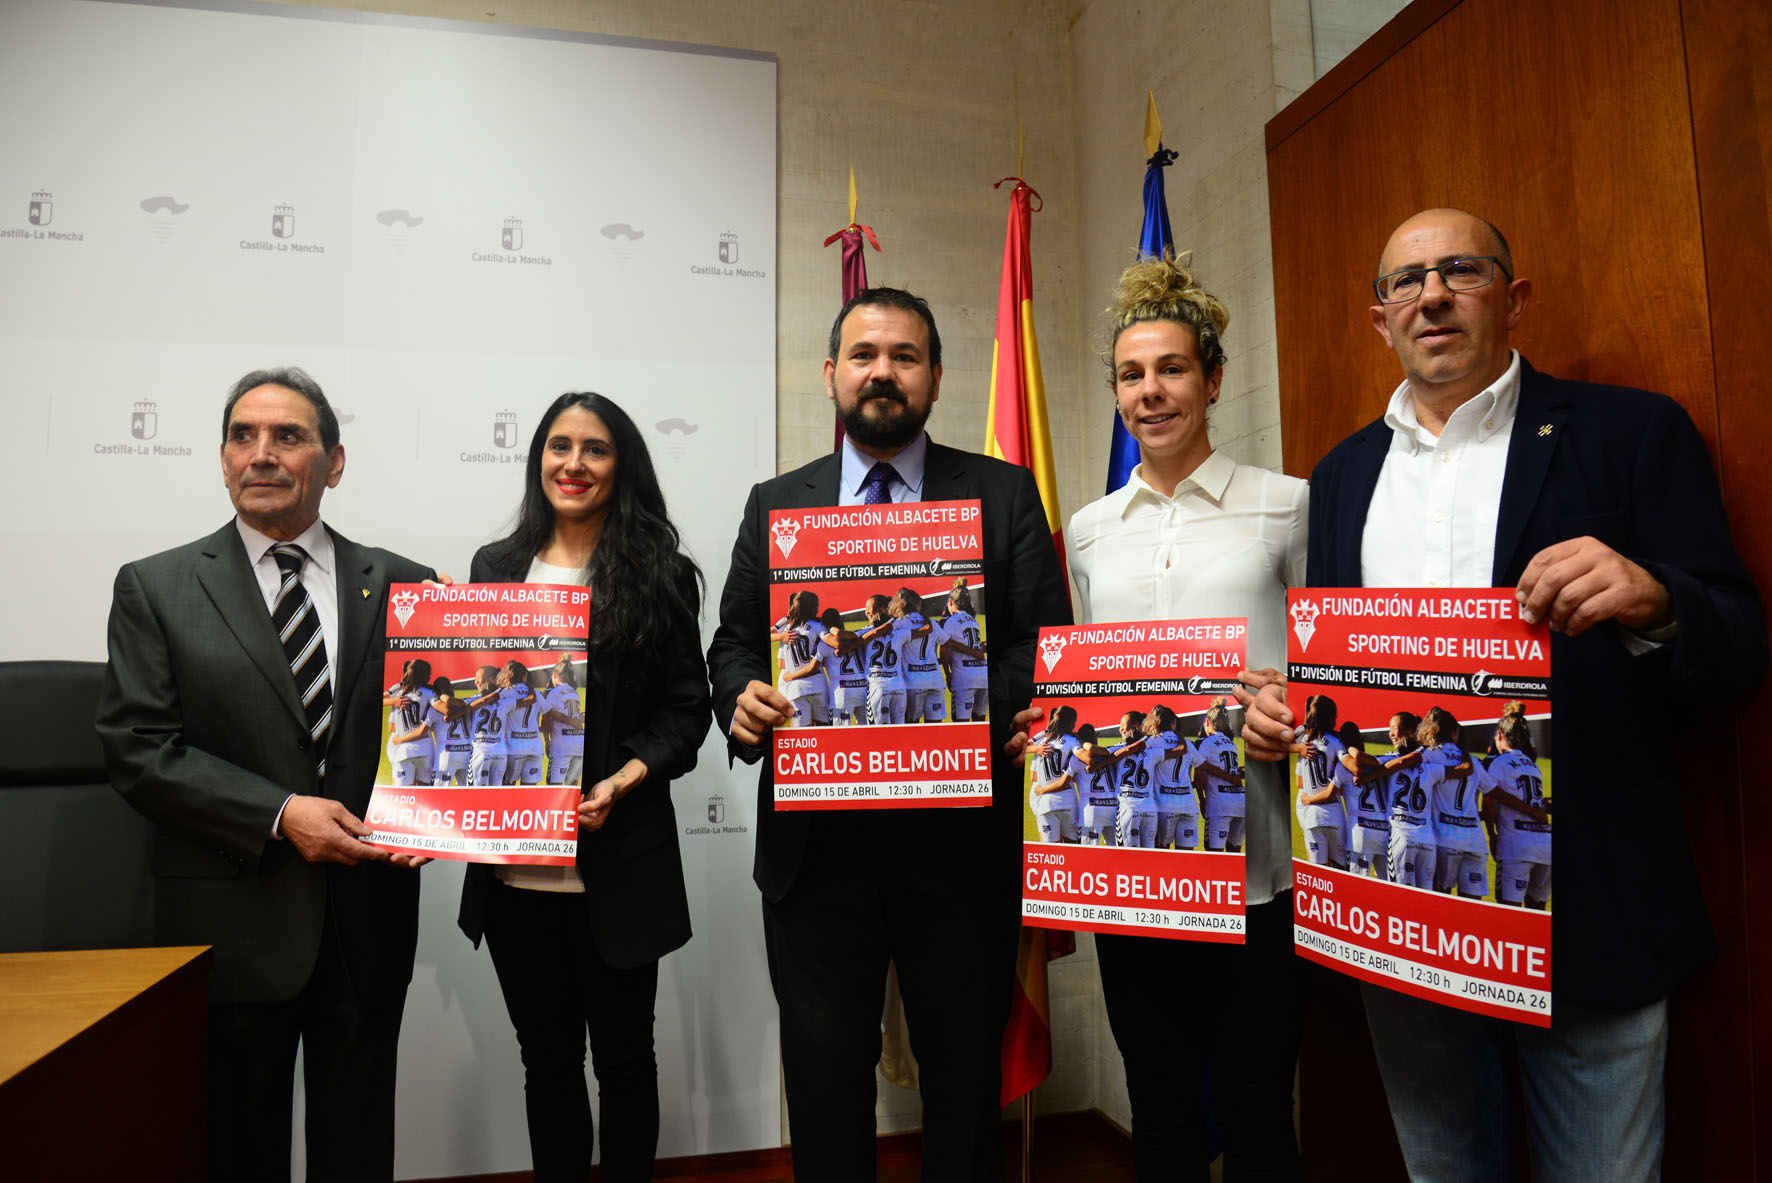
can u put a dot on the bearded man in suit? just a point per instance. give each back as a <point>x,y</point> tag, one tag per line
<point>933,891</point>
<point>242,713</point>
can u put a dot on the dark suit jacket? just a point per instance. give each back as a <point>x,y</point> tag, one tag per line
<point>1627,467</point>
<point>1023,589</point>
<point>203,733</point>
<point>654,708</point>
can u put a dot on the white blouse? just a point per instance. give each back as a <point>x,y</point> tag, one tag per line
<point>1228,541</point>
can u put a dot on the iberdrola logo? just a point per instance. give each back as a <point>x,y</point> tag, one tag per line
<point>405,604</point>
<point>1051,649</point>
<point>1304,621</point>
<point>785,531</point>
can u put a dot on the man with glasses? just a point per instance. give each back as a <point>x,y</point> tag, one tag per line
<point>1599,505</point>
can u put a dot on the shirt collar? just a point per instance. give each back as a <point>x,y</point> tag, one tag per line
<point>1211,478</point>
<point>1491,411</point>
<point>314,540</point>
<point>908,464</point>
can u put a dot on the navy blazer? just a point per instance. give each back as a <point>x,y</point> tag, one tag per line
<point>654,708</point>
<point>968,849</point>
<point>1629,468</point>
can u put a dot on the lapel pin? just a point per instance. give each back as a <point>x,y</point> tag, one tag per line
<point>1545,430</point>
<point>366,590</point>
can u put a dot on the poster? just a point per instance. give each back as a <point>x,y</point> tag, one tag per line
<point>1422,800</point>
<point>484,696</point>
<point>878,639</point>
<point>1135,807</point>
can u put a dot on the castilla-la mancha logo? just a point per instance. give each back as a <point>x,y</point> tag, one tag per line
<point>1051,649</point>
<point>42,210</point>
<point>785,531</point>
<point>1304,621</point>
<point>144,421</point>
<point>504,430</point>
<point>283,221</point>
<point>405,604</point>
<point>716,809</point>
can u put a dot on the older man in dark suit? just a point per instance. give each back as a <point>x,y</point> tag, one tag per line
<point>1599,505</point>
<point>933,890</point>
<point>242,712</point>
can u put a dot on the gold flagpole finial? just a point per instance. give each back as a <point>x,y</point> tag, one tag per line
<point>852,195</point>
<point>1153,127</point>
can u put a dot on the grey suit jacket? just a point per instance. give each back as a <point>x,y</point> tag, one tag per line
<point>204,734</point>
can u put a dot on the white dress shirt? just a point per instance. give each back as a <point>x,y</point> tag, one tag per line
<point>319,577</point>
<point>1228,541</point>
<point>1433,515</point>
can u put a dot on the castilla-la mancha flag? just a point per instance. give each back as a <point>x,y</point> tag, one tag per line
<point>1016,431</point>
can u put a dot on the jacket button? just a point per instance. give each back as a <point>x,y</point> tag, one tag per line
<point>302,744</point>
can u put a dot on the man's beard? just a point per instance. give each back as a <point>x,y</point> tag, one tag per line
<point>892,425</point>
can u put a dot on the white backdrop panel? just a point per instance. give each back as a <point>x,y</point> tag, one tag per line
<point>447,224</point>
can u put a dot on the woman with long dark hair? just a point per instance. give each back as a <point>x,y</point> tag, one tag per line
<point>577,948</point>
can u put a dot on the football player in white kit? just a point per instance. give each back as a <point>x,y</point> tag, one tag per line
<point>452,724</point>
<point>1521,814</point>
<point>970,678</point>
<point>802,678</point>
<point>1137,818</point>
<point>1219,779</point>
<point>1462,861</point>
<point>1366,806</point>
<point>925,699</point>
<point>1093,774</point>
<point>1409,787</point>
<point>845,670</point>
<point>885,661</point>
<point>486,763</point>
<point>564,721</point>
<point>1053,794</point>
<point>409,724</point>
<point>523,751</point>
<point>1171,762</point>
<point>1320,814</point>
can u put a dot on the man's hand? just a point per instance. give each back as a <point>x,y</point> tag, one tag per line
<point>410,861</point>
<point>1267,723</point>
<point>324,831</point>
<point>761,709</point>
<point>1016,746</point>
<point>1582,582</point>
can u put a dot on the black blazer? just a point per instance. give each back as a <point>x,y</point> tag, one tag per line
<point>203,733</point>
<point>654,708</point>
<point>1627,467</point>
<point>1023,589</point>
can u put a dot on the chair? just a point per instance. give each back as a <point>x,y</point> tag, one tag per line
<point>73,855</point>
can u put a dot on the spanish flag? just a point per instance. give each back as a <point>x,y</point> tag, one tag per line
<point>1017,431</point>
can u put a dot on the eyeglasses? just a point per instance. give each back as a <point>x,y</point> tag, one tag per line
<point>1459,275</point>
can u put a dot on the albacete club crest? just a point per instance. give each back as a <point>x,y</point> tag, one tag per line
<point>1051,648</point>
<point>1304,621</point>
<point>405,604</point>
<point>785,531</point>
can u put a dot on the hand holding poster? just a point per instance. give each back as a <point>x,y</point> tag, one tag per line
<point>1399,817</point>
<point>483,682</point>
<point>890,696</point>
<point>1119,798</point>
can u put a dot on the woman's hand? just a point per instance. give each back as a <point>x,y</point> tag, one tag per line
<point>601,797</point>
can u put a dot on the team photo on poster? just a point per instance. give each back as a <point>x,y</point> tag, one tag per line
<point>1135,808</point>
<point>1422,821</point>
<point>484,697</point>
<point>878,639</point>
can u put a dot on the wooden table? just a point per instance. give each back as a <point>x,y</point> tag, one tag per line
<point>103,1064</point>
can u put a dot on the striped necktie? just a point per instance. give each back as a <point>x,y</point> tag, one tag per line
<point>298,627</point>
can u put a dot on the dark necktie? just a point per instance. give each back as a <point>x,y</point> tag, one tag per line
<point>298,627</point>
<point>876,489</point>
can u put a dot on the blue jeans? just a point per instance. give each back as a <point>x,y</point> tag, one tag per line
<point>1591,1089</point>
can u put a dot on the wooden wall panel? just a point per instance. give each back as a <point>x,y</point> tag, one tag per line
<point>1729,66</point>
<point>1626,150</point>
